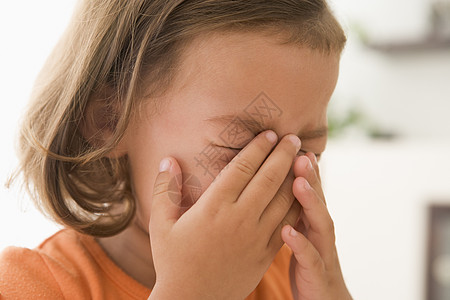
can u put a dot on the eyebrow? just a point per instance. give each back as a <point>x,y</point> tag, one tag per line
<point>256,127</point>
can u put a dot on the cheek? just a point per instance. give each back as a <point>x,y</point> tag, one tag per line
<point>197,175</point>
<point>199,162</point>
<point>142,189</point>
<point>192,183</point>
<point>195,179</point>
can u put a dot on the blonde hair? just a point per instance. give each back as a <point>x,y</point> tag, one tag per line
<point>110,49</point>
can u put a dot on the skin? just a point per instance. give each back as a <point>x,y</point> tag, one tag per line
<point>220,74</point>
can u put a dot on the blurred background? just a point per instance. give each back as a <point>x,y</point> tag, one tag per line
<point>386,171</point>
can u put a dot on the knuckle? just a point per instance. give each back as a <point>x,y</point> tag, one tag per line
<point>285,197</point>
<point>245,166</point>
<point>270,176</point>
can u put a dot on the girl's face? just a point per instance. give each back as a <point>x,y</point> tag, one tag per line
<point>225,86</point>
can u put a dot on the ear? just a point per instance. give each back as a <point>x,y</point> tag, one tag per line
<point>99,122</point>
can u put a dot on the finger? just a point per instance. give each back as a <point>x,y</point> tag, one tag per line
<point>237,174</point>
<point>303,167</point>
<point>165,209</point>
<point>261,190</point>
<point>321,227</point>
<point>279,206</point>
<point>302,223</point>
<point>305,253</point>
<point>290,219</point>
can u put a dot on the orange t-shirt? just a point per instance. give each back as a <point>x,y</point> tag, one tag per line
<point>70,265</point>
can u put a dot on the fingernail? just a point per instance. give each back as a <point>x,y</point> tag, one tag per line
<point>271,136</point>
<point>296,141</point>
<point>164,165</point>
<point>292,232</point>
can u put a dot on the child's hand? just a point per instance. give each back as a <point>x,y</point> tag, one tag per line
<point>222,246</point>
<point>315,270</point>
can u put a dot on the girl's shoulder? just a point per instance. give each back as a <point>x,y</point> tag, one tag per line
<point>67,265</point>
<point>25,272</point>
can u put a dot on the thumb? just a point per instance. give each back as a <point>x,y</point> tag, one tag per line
<point>165,209</point>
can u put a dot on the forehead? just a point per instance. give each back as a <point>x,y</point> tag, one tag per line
<point>227,73</point>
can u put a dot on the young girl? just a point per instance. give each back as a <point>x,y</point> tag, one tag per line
<point>177,143</point>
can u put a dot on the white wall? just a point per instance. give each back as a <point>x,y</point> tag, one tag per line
<point>408,92</point>
<point>29,30</point>
<point>378,194</point>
